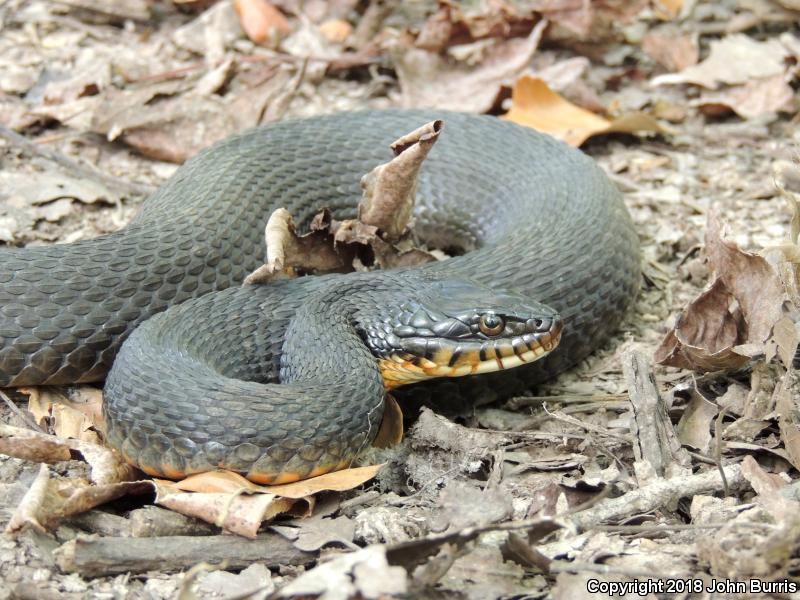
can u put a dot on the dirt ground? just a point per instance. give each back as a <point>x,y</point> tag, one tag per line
<point>605,475</point>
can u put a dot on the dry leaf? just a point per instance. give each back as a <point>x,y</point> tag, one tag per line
<point>261,21</point>
<point>735,59</point>
<point>390,189</point>
<point>694,428</point>
<point>668,9</point>
<point>733,318</point>
<point>365,573</point>
<point>235,512</point>
<point>68,418</point>
<point>229,482</point>
<point>49,500</point>
<point>391,431</point>
<point>757,97</point>
<point>428,80</point>
<point>535,105</point>
<point>788,419</point>
<point>671,48</point>
<point>336,30</point>
<point>763,483</point>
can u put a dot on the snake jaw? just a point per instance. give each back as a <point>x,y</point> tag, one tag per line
<point>470,358</point>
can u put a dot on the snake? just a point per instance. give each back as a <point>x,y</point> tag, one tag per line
<point>289,380</point>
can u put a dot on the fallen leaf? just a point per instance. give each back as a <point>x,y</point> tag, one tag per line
<point>757,97</point>
<point>336,30</point>
<point>668,9</point>
<point>261,21</point>
<point>432,81</point>
<point>315,533</point>
<point>238,513</point>
<point>750,279</point>
<point>735,59</point>
<point>252,581</point>
<point>210,33</point>
<point>391,431</point>
<point>694,428</point>
<point>535,105</point>
<point>762,482</point>
<point>68,417</point>
<point>231,483</point>
<point>390,189</point>
<point>49,500</point>
<point>365,573</point>
<point>672,49</point>
<point>732,320</point>
<point>788,418</point>
<point>50,186</point>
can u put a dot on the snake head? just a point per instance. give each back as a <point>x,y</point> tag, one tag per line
<point>453,328</point>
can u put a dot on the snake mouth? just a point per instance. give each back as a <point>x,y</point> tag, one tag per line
<point>471,358</point>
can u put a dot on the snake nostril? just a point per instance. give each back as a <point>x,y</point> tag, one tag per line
<point>543,325</point>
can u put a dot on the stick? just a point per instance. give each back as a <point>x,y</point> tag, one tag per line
<point>654,437</point>
<point>97,557</point>
<point>153,521</point>
<point>658,494</point>
<point>82,169</point>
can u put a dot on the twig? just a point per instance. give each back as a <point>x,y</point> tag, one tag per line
<point>95,557</point>
<point>559,416</point>
<point>654,437</point>
<point>718,450</point>
<point>82,169</point>
<point>523,401</point>
<point>657,494</point>
<point>17,411</point>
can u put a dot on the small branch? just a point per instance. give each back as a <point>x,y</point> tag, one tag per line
<point>654,437</point>
<point>82,169</point>
<point>658,494</point>
<point>97,557</point>
<point>33,425</point>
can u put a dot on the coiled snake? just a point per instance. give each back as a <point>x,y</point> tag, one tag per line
<point>286,381</point>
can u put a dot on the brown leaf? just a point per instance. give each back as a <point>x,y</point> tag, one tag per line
<point>694,428</point>
<point>76,418</point>
<point>261,21</point>
<point>365,573</point>
<point>391,431</point>
<point>390,189</point>
<point>429,80</point>
<point>761,481</point>
<point>288,252</point>
<point>336,30</point>
<point>671,48</point>
<point>229,482</point>
<point>705,334</point>
<point>49,500</point>
<point>535,105</point>
<point>733,318</point>
<point>788,418</point>
<point>750,279</point>
<point>757,97</point>
<point>733,60</point>
<point>238,513</point>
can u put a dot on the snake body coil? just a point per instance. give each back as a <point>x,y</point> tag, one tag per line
<point>195,387</point>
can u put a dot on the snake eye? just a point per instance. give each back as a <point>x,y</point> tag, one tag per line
<point>491,324</point>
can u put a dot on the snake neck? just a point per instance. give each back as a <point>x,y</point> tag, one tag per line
<point>324,353</point>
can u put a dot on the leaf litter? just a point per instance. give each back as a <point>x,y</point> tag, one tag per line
<point>79,80</point>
